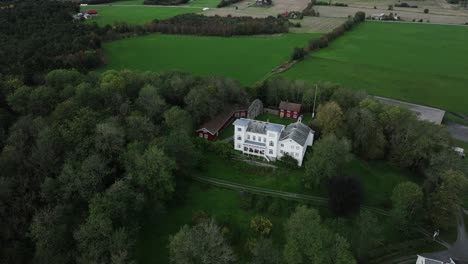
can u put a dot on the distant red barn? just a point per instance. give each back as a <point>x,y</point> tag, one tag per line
<point>289,110</point>
<point>211,129</point>
<point>92,12</point>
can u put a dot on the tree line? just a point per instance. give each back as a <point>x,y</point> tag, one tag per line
<point>194,24</point>
<point>37,36</point>
<point>83,157</point>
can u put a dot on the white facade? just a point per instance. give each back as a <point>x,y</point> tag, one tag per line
<point>272,141</point>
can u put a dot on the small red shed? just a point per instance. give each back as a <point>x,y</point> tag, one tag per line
<point>92,12</point>
<point>289,110</point>
<point>211,129</point>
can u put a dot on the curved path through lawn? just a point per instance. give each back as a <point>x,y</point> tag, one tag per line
<point>316,199</point>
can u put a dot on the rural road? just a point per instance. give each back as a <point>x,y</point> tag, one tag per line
<point>315,199</point>
<point>458,132</point>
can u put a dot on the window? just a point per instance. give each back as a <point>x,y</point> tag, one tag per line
<point>239,129</point>
<point>282,145</point>
<point>297,147</point>
<point>270,151</point>
<point>239,138</point>
<point>254,138</point>
<point>264,140</point>
<point>238,146</point>
<point>259,139</point>
<point>248,136</point>
<point>297,154</point>
<point>236,114</point>
<point>292,147</point>
<point>206,135</point>
<point>245,149</point>
<point>272,144</point>
<point>281,151</point>
<point>200,135</point>
<point>271,135</point>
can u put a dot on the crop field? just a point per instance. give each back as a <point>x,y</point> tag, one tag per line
<point>247,59</point>
<point>109,14</point>
<point>423,64</point>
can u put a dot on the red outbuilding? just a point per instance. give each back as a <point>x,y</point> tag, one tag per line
<point>211,129</point>
<point>289,110</point>
<point>92,12</point>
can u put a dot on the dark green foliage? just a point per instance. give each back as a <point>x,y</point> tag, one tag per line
<point>165,2</point>
<point>298,54</point>
<point>194,24</point>
<point>224,3</point>
<point>37,36</point>
<point>87,154</point>
<point>345,195</point>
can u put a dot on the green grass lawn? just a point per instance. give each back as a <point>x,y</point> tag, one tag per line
<point>419,63</point>
<point>377,178</point>
<point>135,14</point>
<point>247,59</point>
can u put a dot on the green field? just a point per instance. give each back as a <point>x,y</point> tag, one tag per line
<point>135,14</point>
<point>247,59</point>
<point>419,63</point>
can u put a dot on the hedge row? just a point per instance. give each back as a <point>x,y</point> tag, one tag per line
<point>194,24</point>
<point>322,42</point>
<point>165,2</point>
<point>224,3</point>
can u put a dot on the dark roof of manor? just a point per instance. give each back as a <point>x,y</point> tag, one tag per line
<point>290,106</point>
<point>298,132</point>
<point>217,122</point>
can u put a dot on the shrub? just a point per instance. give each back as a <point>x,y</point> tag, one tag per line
<point>298,54</point>
<point>261,225</point>
<point>345,195</point>
<point>275,207</point>
<point>390,7</point>
<point>165,2</point>
<point>261,203</point>
<point>247,200</point>
<point>359,17</point>
<point>426,11</point>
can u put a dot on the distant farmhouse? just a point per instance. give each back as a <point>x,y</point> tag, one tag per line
<point>289,110</point>
<point>211,129</point>
<point>272,141</point>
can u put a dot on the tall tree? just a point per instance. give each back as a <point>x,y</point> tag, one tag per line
<point>447,199</point>
<point>330,118</point>
<point>328,159</point>
<point>407,200</point>
<point>202,243</point>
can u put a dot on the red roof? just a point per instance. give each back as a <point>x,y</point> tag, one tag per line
<point>216,123</point>
<point>290,106</point>
<point>92,12</point>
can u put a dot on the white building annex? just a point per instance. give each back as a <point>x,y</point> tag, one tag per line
<point>272,141</point>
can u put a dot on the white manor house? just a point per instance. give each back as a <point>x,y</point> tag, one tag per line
<point>272,141</point>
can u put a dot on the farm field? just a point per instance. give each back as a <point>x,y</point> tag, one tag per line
<point>135,14</point>
<point>247,59</point>
<point>423,64</point>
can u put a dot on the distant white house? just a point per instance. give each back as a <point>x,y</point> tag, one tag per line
<point>272,141</point>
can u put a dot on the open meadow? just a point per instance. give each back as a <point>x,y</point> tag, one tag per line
<point>423,64</point>
<point>247,59</point>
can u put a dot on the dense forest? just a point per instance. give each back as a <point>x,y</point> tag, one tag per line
<point>37,36</point>
<point>88,154</point>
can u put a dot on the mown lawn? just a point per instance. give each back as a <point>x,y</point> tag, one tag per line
<point>109,14</point>
<point>377,178</point>
<point>419,63</point>
<point>247,59</point>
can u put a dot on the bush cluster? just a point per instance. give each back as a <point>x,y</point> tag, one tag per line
<point>194,24</point>
<point>224,3</point>
<point>165,2</point>
<point>406,5</point>
<point>330,4</point>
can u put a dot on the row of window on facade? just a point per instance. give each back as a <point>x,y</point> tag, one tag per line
<point>292,154</point>
<point>256,151</point>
